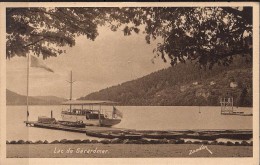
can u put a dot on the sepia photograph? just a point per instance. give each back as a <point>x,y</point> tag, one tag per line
<point>130,81</point>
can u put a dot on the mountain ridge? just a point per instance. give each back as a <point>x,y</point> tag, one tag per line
<point>184,85</point>
<point>13,98</point>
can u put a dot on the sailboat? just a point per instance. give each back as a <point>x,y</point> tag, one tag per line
<point>93,115</point>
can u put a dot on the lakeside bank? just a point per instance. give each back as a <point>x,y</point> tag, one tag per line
<point>125,150</point>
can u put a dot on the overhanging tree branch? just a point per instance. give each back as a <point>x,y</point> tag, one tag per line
<point>33,43</point>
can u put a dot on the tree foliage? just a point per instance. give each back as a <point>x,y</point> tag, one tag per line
<point>209,35</point>
<point>44,31</point>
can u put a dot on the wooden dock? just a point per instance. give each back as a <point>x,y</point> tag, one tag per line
<point>227,108</point>
<point>57,126</point>
<point>54,126</point>
<point>121,133</point>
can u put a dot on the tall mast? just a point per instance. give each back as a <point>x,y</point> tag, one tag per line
<point>71,82</point>
<point>71,85</point>
<point>200,82</point>
<point>27,95</point>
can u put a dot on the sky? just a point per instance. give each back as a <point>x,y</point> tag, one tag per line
<point>109,60</point>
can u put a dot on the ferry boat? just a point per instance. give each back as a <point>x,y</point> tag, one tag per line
<point>93,115</point>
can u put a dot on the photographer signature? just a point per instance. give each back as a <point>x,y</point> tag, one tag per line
<point>202,147</point>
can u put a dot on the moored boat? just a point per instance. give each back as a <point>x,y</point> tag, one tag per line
<point>94,115</point>
<point>91,115</point>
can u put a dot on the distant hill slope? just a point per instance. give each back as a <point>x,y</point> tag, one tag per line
<point>13,98</point>
<point>184,85</point>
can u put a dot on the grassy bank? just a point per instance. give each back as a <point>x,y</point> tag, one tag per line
<point>125,150</point>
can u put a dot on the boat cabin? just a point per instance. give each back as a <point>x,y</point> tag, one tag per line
<point>90,109</point>
<point>91,113</point>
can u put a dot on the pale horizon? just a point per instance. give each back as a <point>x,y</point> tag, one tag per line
<point>110,60</point>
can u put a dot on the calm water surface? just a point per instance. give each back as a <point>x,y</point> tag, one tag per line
<point>135,117</point>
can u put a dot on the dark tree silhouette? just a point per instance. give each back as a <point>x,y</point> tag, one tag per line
<point>44,31</point>
<point>209,35</point>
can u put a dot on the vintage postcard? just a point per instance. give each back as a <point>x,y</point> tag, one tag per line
<point>112,82</point>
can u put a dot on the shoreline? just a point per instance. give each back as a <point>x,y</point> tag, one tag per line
<point>128,105</point>
<point>137,141</point>
<point>99,150</point>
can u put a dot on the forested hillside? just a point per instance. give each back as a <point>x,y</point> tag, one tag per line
<point>185,85</point>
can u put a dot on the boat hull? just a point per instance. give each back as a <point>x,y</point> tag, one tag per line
<point>94,122</point>
<point>109,122</point>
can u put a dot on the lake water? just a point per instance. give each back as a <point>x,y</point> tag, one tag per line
<point>135,117</point>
